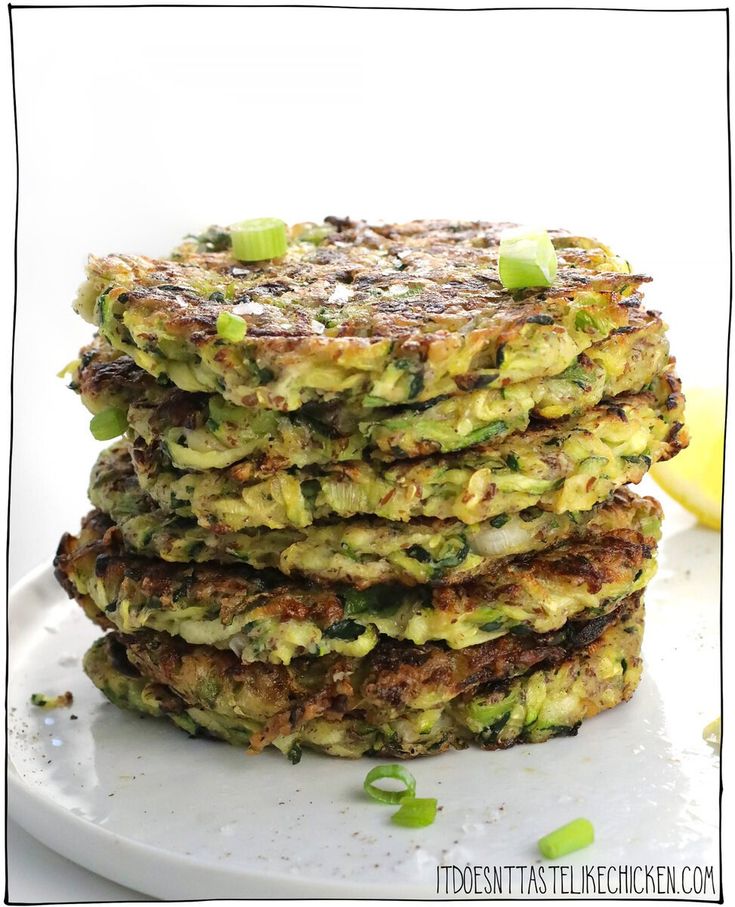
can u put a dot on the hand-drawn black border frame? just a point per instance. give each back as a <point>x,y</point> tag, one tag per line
<point>423,9</point>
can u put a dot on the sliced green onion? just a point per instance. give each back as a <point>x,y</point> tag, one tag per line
<point>415,812</point>
<point>570,837</point>
<point>52,702</point>
<point>389,771</point>
<point>259,239</point>
<point>108,424</point>
<point>527,259</point>
<point>231,327</point>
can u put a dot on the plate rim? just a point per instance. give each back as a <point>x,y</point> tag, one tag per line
<point>144,867</point>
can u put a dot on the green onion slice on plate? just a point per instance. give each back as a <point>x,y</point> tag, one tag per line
<point>108,424</point>
<point>415,812</point>
<point>399,773</point>
<point>527,259</point>
<point>259,239</point>
<point>231,327</point>
<point>570,837</point>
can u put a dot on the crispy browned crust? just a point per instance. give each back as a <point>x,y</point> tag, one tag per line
<point>452,266</point>
<point>99,551</point>
<point>400,673</point>
<point>424,303</point>
<point>392,679</point>
<point>667,400</point>
<point>414,324</point>
<point>593,559</point>
<point>678,438</point>
<point>104,372</point>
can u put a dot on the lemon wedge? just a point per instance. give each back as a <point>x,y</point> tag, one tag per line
<point>712,734</point>
<point>694,477</point>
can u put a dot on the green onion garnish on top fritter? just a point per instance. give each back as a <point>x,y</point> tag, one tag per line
<point>259,239</point>
<point>527,259</point>
<point>231,327</point>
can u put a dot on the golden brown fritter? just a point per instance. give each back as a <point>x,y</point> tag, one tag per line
<point>403,701</point>
<point>263,616</point>
<point>383,315</point>
<point>204,431</point>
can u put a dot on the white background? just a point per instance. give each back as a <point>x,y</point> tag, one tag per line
<point>137,126</point>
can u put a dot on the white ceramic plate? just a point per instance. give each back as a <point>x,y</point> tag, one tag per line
<point>138,802</point>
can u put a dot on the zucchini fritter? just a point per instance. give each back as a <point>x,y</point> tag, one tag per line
<point>571,464</point>
<point>382,508</point>
<point>363,552</point>
<point>262,616</point>
<point>380,315</point>
<point>204,431</point>
<point>554,702</point>
<point>408,702</point>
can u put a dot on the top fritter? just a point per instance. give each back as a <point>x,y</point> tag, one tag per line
<point>382,315</point>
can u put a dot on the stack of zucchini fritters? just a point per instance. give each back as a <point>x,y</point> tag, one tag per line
<point>393,517</point>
